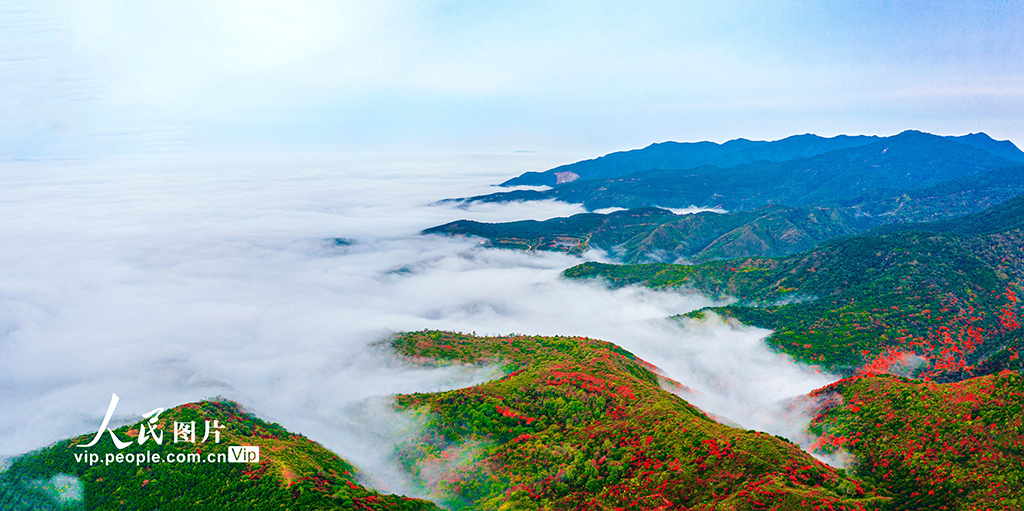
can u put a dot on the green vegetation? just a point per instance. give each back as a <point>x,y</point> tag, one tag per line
<point>873,303</point>
<point>650,233</point>
<point>576,423</point>
<point>293,473</point>
<point>954,446</point>
<point>582,424</point>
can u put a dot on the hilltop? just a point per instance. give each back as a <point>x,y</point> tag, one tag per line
<point>293,473</point>
<point>575,423</point>
<point>579,423</point>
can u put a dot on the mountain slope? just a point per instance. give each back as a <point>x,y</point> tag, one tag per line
<point>908,161</point>
<point>583,424</point>
<point>644,234</point>
<point>953,446</point>
<point>1002,148</point>
<point>293,473</point>
<point>656,235</point>
<point>872,303</point>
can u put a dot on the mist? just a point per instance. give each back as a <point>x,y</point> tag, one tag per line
<point>173,280</point>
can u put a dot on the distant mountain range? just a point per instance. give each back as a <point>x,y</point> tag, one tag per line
<point>909,161</point>
<point>779,208</point>
<point>658,235</point>
<point>690,155</point>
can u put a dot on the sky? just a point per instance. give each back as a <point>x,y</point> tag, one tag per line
<point>92,78</point>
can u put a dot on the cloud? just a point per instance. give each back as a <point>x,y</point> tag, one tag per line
<point>172,280</point>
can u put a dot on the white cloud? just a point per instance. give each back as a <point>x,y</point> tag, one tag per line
<point>168,281</point>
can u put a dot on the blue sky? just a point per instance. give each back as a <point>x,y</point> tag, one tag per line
<point>93,77</point>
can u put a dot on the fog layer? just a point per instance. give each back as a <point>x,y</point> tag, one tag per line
<point>268,281</point>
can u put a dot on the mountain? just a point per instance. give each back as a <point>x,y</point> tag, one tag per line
<point>657,235</point>
<point>645,234</point>
<point>900,299</point>
<point>1003,148</point>
<point>575,423</point>
<point>293,473</point>
<point>954,446</point>
<point>911,160</point>
<point>691,155</point>
<point>579,423</point>
<point>688,155</point>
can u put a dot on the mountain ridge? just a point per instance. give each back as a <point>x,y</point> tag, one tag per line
<point>580,423</point>
<point>656,235</point>
<point>687,155</point>
<point>665,155</point>
<point>908,161</point>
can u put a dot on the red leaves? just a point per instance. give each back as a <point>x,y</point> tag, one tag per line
<point>512,414</point>
<point>717,450</point>
<point>1008,313</point>
<point>627,392</point>
<point>959,444</point>
<point>831,441</point>
<point>883,363</point>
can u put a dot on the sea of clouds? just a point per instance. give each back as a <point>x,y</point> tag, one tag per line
<point>169,281</point>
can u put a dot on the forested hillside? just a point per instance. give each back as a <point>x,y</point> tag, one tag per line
<point>578,423</point>
<point>956,446</point>
<point>293,473</point>
<point>929,303</point>
<point>582,424</point>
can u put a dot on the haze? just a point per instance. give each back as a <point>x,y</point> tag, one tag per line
<point>99,77</point>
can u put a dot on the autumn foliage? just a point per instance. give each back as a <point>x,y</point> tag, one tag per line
<point>582,424</point>
<point>955,446</point>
